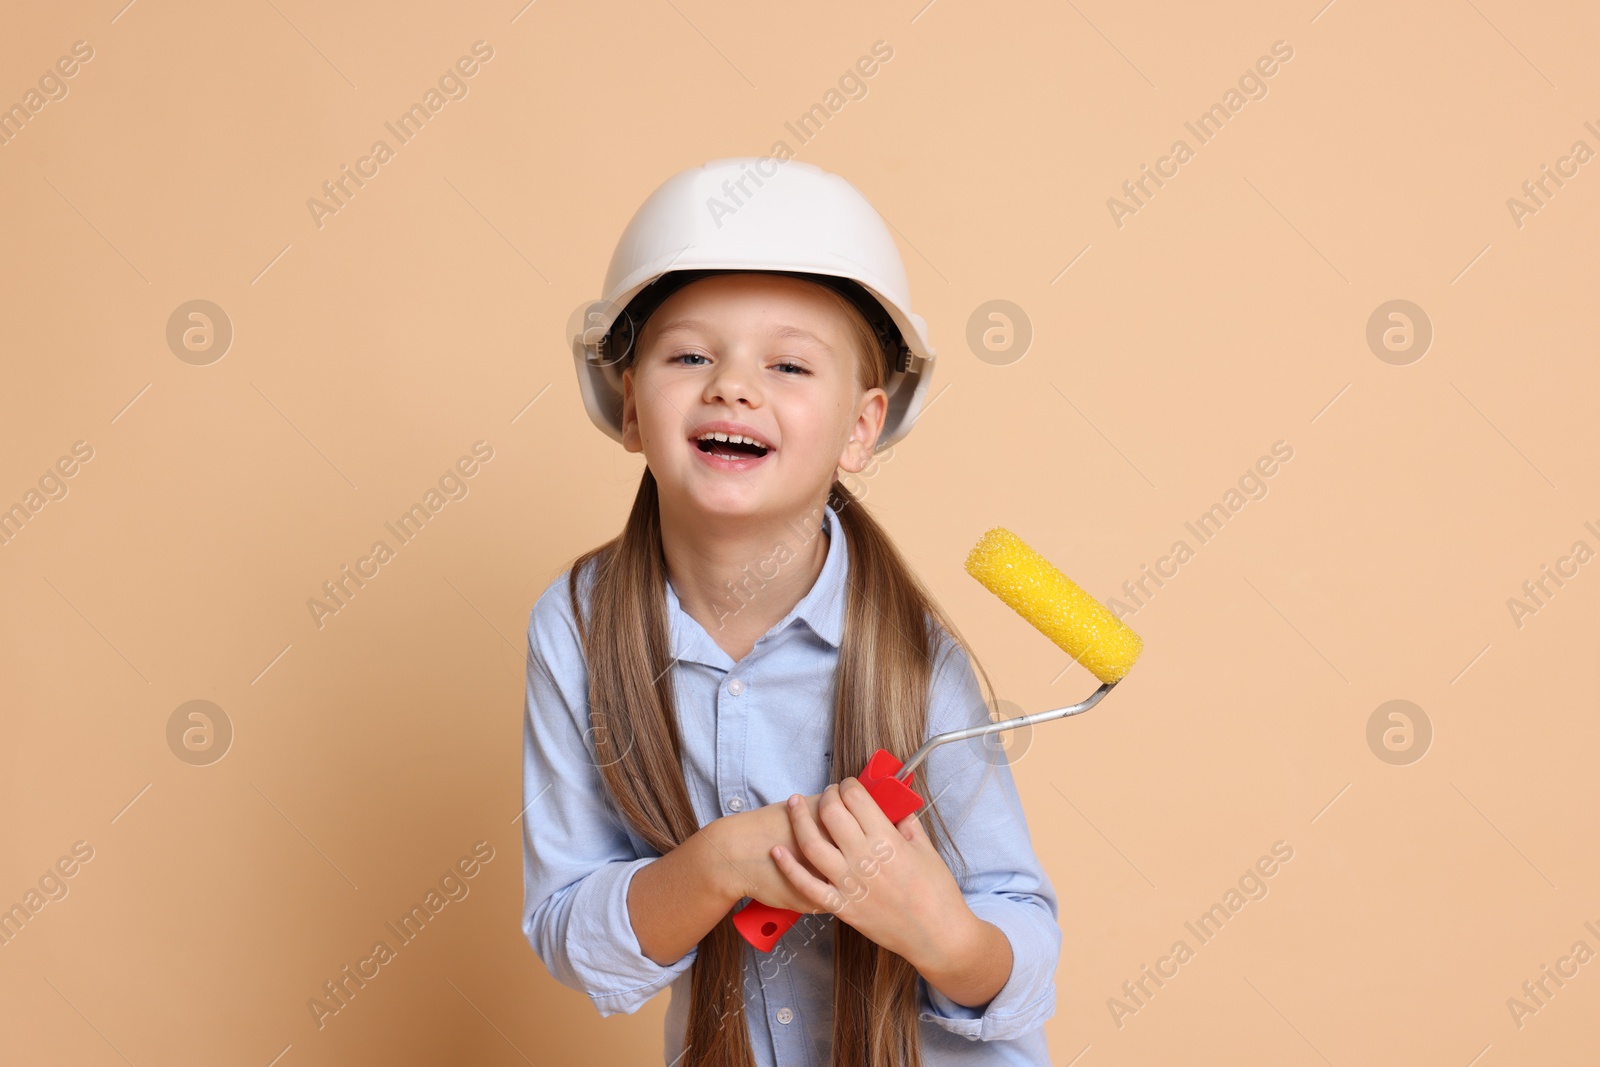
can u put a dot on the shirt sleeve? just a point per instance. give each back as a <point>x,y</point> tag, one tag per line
<point>578,858</point>
<point>971,787</point>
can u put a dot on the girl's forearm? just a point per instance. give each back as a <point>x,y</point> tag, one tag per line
<point>972,965</point>
<point>675,900</point>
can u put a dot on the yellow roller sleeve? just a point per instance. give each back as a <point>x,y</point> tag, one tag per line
<point>1054,603</point>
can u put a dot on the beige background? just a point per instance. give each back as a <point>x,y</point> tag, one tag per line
<point>1230,312</point>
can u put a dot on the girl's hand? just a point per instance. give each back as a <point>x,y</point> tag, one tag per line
<point>742,856</point>
<point>885,879</point>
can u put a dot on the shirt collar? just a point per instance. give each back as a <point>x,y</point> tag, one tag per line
<point>822,608</point>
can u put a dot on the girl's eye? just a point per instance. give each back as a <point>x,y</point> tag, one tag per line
<point>696,355</point>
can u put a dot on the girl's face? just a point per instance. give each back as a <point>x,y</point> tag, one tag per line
<point>773,354</point>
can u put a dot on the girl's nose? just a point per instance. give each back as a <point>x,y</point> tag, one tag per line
<point>731,383</point>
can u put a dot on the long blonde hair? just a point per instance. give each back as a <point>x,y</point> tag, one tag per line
<point>891,634</point>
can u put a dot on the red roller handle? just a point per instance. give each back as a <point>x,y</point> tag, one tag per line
<point>761,924</point>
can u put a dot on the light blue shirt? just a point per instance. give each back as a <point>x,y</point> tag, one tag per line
<point>753,732</point>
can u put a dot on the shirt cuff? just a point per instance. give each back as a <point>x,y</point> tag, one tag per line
<point>603,949</point>
<point>1029,996</point>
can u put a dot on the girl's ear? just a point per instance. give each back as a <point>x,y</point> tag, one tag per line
<point>630,415</point>
<point>858,451</point>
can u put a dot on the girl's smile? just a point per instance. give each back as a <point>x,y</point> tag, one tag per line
<point>730,446</point>
<point>720,459</point>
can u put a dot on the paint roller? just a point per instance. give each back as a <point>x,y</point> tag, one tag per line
<point>1032,587</point>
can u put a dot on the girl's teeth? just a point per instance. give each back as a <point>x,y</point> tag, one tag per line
<point>719,436</point>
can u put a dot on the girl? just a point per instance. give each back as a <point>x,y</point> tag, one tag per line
<point>702,688</point>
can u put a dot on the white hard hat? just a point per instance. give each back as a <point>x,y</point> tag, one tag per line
<point>754,214</point>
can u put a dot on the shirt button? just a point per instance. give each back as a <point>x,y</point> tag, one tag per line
<point>736,803</point>
<point>735,686</point>
<point>785,1016</point>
